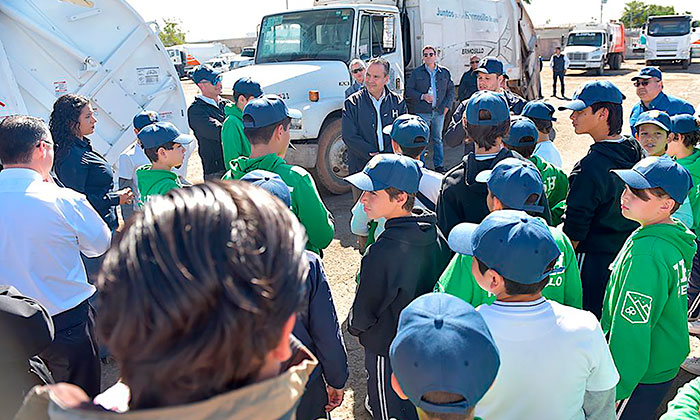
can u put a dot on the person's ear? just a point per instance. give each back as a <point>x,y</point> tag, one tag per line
<point>396,387</point>
<point>602,114</point>
<point>496,282</point>
<point>668,204</point>
<point>496,203</point>
<point>283,351</point>
<point>136,131</point>
<point>396,147</point>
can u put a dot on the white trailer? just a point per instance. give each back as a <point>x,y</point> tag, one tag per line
<point>303,55</point>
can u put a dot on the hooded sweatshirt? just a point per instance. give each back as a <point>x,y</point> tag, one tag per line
<point>646,304</point>
<point>233,140</point>
<point>686,404</point>
<point>306,202</point>
<point>403,263</point>
<point>556,184</point>
<point>155,182</point>
<point>692,164</point>
<point>593,216</point>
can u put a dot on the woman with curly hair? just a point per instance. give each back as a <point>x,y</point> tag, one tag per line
<point>76,164</point>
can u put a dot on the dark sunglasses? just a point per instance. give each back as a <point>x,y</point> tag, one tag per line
<point>638,83</point>
<point>428,54</point>
<point>357,70</point>
<point>474,62</point>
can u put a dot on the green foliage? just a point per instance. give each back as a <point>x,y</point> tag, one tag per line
<point>636,13</point>
<point>171,33</point>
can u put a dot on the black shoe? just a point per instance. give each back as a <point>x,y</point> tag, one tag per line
<point>440,169</point>
<point>554,95</point>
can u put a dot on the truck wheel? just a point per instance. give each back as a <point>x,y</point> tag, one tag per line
<point>332,159</point>
<point>685,64</point>
<point>600,70</point>
<point>615,62</point>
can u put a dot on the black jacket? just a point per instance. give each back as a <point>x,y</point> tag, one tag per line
<point>317,327</point>
<point>593,216</point>
<point>205,121</point>
<point>467,85</point>
<point>84,170</point>
<point>359,125</point>
<point>405,262</point>
<point>418,83</point>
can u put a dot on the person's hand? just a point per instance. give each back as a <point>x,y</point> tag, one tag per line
<point>373,153</point>
<point>335,398</point>
<point>126,196</point>
<point>446,111</point>
<point>427,97</point>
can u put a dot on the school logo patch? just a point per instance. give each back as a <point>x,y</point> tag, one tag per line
<point>636,308</point>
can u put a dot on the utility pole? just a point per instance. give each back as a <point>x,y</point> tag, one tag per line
<point>602,2</point>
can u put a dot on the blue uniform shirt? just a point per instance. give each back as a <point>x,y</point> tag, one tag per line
<point>663,102</point>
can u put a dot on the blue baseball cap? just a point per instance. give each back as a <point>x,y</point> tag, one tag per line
<point>513,181</point>
<point>655,117</point>
<point>145,118</point>
<point>593,93</point>
<point>270,182</point>
<point>248,87</point>
<point>388,170</point>
<point>160,133</point>
<point>443,344</point>
<point>409,131</point>
<point>648,73</point>
<point>205,72</point>
<point>684,124</point>
<point>267,110</point>
<point>658,172</point>
<point>540,110</point>
<point>490,65</point>
<point>523,132</point>
<point>516,245</point>
<point>489,101</point>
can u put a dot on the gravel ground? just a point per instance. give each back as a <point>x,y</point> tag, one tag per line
<point>341,259</point>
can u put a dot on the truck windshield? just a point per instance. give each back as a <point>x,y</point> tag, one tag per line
<point>309,35</point>
<point>585,39</point>
<point>668,27</point>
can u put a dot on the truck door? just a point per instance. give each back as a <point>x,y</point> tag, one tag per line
<point>380,36</point>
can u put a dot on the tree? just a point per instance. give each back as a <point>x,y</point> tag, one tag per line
<point>171,32</point>
<point>637,12</point>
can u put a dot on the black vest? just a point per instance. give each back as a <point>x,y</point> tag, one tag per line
<point>558,63</point>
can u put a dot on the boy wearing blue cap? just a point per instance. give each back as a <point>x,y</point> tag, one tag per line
<point>542,114</point>
<point>233,140</point>
<point>444,357</point>
<point>649,85</point>
<point>387,284</point>
<point>652,131</point>
<point>555,363</point>
<point>515,184</point>
<point>133,158</point>
<point>645,307</point>
<point>592,219</point>
<point>164,146</point>
<point>267,120</point>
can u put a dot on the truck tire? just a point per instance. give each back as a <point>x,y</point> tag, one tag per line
<point>600,70</point>
<point>332,159</point>
<point>685,64</point>
<point>615,62</point>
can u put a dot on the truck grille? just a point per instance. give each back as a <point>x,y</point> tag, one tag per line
<point>667,46</point>
<point>577,56</point>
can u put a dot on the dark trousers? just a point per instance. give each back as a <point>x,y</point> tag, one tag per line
<point>594,278</point>
<point>694,290</point>
<point>558,75</point>
<point>642,404</point>
<point>383,401</point>
<point>313,403</point>
<point>72,357</point>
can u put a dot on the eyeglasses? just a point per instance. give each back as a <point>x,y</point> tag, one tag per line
<point>428,54</point>
<point>358,70</point>
<point>474,62</point>
<point>638,83</point>
<point>215,81</point>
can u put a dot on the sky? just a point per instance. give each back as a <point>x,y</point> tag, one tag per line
<point>205,20</point>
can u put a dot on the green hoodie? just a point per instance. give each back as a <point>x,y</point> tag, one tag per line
<point>692,164</point>
<point>646,303</point>
<point>556,185</point>
<point>154,182</point>
<point>565,288</point>
<point>306,202</point>
<point>686,404</point>
<point>233,141</point>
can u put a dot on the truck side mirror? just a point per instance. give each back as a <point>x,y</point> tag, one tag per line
<point>696,24</point>
<point>610,37</point>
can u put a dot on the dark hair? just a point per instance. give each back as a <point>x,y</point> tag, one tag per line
<point>690,139</point>
<point>64,121</point>
<point>643,194</point>
<point>532,200</point>
<point>19,136</point>
<point>543,126</point>
<point>514,288</point>
<point>263,135</point>
<point>527,150</point>
<point>412,152</point>
<point>195,293</point>
<point>429,47</point>
<point>443,397</point>
<point>485,135</point>
<point>394,195</point>
<point>152,153</point>
<point>383,62</point>
<point>614,116</point>
<point>237,94</point>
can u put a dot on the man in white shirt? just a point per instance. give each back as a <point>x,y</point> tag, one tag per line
<point>555,363</point>
<point>43,231</point>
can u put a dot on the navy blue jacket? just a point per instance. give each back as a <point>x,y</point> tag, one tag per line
<point>359,125</point>
<point>663,102</point>
<point>418,83</point>
<point>206,121</point>
<point>317,327</point>
<point>84,170</point>
<point>467,85</point>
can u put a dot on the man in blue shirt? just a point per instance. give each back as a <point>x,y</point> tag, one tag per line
<point>650,91</point>
<point>467,84</point>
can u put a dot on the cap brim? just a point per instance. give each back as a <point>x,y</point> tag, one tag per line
<point>481,70</point>
<point>642,76</point>
<point>387,129</point>
<point>632,178</point>
<point>360,181</point>
<point>483,176</point>
<point>184,139</point>
<point>656,123</point>
<point>577,105</point>
<point>460,238</point>
<point>293,113</point>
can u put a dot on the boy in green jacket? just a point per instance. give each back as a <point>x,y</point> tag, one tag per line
<point>163,145</point>
<point>233,140</point>
<point>515,184</point>
<point>266,121</point>
<point>645,306</point>
<point>686,404</point>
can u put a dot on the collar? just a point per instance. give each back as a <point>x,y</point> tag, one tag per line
<point>380,100</point>
<point>659,102</point>
<point>210,101</point>
<point>620,140</point>
<point>521,305</point>
<point>20,173</point>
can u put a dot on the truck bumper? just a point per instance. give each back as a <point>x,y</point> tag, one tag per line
<point>304,155</point>
<point>584,65</point>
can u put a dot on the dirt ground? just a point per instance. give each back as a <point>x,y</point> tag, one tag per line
<point>341,259</point>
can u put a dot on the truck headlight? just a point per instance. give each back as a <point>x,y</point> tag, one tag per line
<point>595,57</point>
<point>295,124</point>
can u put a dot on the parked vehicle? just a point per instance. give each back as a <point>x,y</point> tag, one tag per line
<point>197,54</point>
<point>669,39</point>
<point>179,59</point>
<point>592,46</point>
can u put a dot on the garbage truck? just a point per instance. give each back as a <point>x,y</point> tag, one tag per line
<point>668,39</point>
<point>302,56</point>
<point>592,46</point>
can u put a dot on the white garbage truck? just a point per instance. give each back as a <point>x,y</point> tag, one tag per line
<point>100,49</point>
<point>668,39</point>
<point>592,46</point>
<point>302,56</point>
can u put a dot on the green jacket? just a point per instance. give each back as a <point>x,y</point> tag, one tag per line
<point>556,185</point>
<point>692,164</point>
<point>686,404</point>
<point>306,202</point>
<point>565,287</point>
<point>646,303</point>
<point>154,182</point>
<point>233,141</point>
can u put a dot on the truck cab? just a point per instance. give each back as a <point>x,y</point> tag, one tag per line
<point>668,39</point>
<point>593,46</point>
